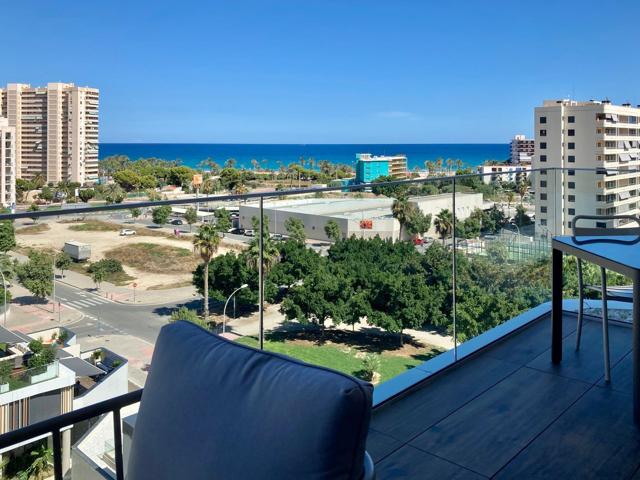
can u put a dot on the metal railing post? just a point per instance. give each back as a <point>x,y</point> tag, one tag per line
<point>117,443</point>
<point>453,276</point>
<point>57,455</point>
<point>261,275</point>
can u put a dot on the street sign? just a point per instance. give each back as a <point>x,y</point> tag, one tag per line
<point>197,180</point>
<point>134,284</point>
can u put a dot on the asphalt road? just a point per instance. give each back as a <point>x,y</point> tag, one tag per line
<point>103,316</point>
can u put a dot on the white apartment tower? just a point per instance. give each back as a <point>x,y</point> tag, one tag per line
<point>522,149</point>
<point>594,135</point>
<point>56,130</point>
<point>7,164</point>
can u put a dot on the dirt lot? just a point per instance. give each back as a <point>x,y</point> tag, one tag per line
<point>103,241</point>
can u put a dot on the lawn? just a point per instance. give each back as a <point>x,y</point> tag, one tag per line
<point>154,258</point>
<point>343,357</point>
<point>95,226</point>
<point>33,229</point>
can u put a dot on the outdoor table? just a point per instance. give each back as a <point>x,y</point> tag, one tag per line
<point>620,254</point>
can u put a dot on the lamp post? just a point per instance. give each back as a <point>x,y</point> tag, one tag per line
<point>4,288</point>
<point>224,311</point>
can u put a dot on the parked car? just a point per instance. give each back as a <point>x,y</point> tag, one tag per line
<point>418,241</point>
<point>237,231</point>
<point>249,233</point>
<point>278,237</point>
<point>125,232</point>
<point>176,221</point>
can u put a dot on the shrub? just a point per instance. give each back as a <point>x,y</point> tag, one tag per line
<point>107,265</point>
<point>370,365</point>
<point>183,313</point>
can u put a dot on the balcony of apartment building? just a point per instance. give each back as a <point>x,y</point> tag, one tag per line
<point>491,404</point>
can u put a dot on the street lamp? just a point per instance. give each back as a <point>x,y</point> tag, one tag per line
<point>224,311</point>
<point>4,288</point>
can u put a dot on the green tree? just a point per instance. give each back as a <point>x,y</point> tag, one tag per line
<point>36,275</point>
<point>523,188</point>
<point>128,179</point>
<point>87,194</point>
<point>63,262</point>
<point>135,212</point>
<point>206,243</point>
<point>34,208</point>
<point>98,274</point>
<point>295,229</point>
<point>332,230</point>
<point>223,220</point>
<point>7,236</point>
<point>418,223</point>
<point>444,224</point>
<point>46,194</point>
<point>392,191</point>
<point>270,252</point>
<point>521,217</point>
<point>191,216</point>
<point>160,215</point>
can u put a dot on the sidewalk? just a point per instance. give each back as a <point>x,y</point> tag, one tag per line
<point>124,295</point>
<point>27,316</point>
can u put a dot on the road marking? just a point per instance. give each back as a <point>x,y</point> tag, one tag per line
<point>82,303</point>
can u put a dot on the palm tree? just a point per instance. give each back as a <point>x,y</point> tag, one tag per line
<point>430,166</point>
<point>439,162</point>
<point>522,190</point>
<point>206,243</point>
<point>41,460</point>
<point>401,211</point>
<point>270,251</point>
<point>449,165</point>
<point>444,224</point>
<point>458,164</point>
<point>255,164</point>
<point>510,197</point>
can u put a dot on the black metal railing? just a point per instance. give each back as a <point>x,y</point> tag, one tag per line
<point>54,426</point>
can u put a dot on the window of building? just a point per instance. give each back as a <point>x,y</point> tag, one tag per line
<point>543,222</point>
<point>572,211</point>
<point>543,158</point>
<point>571,173</point>
<point>571,132</point>
<point>572,185</point>
<point>543,145</point>
<point>543,183</point>
<point>543,133</point>
<point>543,209</point>
<point>543,196</point>
<point>571,119</point>
<point>571,159</point>
<point>543,119</point>
<point>571,146</point>
<point>601,225</point>
<point>572,198</point>
<point>568,224</point>
<point>543,172</point>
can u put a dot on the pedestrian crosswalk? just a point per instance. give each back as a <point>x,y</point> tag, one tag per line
<point>86,302</point>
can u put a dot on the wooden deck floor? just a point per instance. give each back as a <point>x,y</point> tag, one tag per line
<point>509,413</point>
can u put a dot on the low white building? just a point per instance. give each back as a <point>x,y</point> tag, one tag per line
<point>504,172</point>
<point>363,218</point>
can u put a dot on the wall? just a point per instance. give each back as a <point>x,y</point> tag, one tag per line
<point>113,384</point>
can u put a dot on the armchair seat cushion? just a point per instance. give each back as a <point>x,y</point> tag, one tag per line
<point>214,409</point>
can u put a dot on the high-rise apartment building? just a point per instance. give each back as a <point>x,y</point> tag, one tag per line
<point>7,164</point>
<point>56,130</point>
<point>594,135</point>
<point>522,149</point>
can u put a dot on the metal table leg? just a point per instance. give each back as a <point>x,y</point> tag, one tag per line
<point>635,333</point>
<point>556,306</point>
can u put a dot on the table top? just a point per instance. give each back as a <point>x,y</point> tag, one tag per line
<point>620,253</point>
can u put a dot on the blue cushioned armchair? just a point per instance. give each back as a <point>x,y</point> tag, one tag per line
<point>214,409</point>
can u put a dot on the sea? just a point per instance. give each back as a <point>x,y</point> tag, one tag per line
<point>271,156</point>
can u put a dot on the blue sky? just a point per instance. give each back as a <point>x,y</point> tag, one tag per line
<point>330,71</point>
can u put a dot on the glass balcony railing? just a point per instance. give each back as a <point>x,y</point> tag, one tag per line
<point>30,376</point>
<point>373,280</point>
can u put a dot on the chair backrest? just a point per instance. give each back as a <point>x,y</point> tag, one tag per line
<point>604,231</point>
<point>214,409</point>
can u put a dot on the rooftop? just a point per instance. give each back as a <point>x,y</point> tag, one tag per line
<point>507,412</point>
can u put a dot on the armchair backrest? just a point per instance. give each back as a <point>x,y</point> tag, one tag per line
<point>214,409</point>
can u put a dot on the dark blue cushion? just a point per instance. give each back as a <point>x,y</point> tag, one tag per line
<point>213,409</point>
